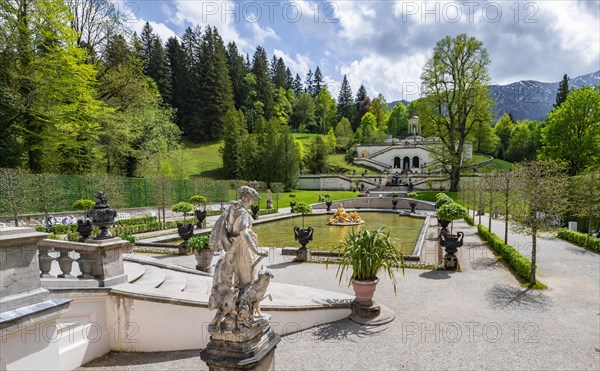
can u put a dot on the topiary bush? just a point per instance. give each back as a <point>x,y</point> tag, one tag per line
<point>451,211</point>
<point>83,204</point>
<point>182,207</point>
<point>442,199</point>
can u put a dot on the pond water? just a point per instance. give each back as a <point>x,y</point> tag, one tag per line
<point>404,231</point>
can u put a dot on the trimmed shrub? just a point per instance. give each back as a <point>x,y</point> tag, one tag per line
<point>580,239</point>
<point>442,199</point>
<point>520,264</point>
<point>451,211</point>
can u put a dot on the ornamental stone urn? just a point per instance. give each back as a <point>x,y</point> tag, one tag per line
<point>394,204</point>
<point>412,205</point>
<point>255,209</point>
<point>303,236</point>
<point>451,243</point>
<point>84,228</point>
<point>200,215</point>
<point>185,231</point>
<point>328,203</point>
<point>103,216</point>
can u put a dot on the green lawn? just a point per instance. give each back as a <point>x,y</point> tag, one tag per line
<point>203,159</point>
<point>309,197</point>
<point>497,164</point>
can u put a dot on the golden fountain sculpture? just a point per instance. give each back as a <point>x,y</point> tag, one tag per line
<point>341,217</point>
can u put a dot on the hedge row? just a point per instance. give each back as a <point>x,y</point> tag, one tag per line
<point>469,220</point>
<point>133,221</point>
<point>267,211</point>
<point>515,260</point>
<point>581,239</point>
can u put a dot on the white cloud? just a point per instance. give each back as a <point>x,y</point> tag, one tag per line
<point>300,64</point>
<point>224,15</point>
<point>357,20</point>
<point>394,78</point>
<point>261,34</point>
<point>158,28</point>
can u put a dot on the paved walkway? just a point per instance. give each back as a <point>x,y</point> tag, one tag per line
<point>480,318</point>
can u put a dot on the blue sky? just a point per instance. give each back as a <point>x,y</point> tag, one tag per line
<point>385,44</point>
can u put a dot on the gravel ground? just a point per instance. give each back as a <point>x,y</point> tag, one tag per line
<point>480,318</point>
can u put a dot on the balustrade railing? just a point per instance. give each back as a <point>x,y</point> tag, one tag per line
<point>100,261</point>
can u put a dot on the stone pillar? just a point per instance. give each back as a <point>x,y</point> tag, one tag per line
<point>27,314</point>
<point>20,283</point>
<point>250,350</point>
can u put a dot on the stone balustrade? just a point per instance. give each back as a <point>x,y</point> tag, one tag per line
<point>99,263</point>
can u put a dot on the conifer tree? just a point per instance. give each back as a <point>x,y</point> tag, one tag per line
<point>264,87</point>
<point>563,91</point>
<point>345,104</point>
<point>237,72</point>
<point>297,85</point>
<point>308,83</point>
<point>179,73</point>
<point>215,92</point>
<point>317,82</point>
<point>155,61</point>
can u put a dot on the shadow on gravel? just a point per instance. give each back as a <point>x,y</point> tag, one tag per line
<point>283,265</point>
<point>517,298</point>
<point>437,275</point>
<point>485,263</point>
<point>130,360</point>
<point>345,330</point>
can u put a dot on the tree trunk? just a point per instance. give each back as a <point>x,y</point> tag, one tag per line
<point>490,213</point>
<point>533,256</point>
<point>506,219</point>
<point>454,178</point>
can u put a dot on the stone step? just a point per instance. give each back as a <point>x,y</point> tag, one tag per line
<point>198,285</point>
<point>133,270</point>
<point>152,277</point>
<point>173,282</point>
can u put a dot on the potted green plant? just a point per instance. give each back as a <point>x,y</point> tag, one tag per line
<point>292,202</point>
<point>202,252</point>
<point>84,225</point>
<point>198,200</point>
<point>394,201</point>
<point>368,253</point>
<point>303,235</point>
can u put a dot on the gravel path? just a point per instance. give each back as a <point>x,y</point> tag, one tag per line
<point>480,318</point>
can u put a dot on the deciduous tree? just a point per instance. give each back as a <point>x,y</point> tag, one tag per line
<point>572,133</point>
<point>455,84</point>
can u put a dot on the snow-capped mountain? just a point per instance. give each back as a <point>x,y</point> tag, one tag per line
<point>533,99</point>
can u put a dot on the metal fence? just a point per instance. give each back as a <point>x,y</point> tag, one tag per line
<point>24,193</point>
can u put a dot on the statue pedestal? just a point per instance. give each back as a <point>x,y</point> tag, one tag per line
<point>250,350</point>
<point>303,254</point>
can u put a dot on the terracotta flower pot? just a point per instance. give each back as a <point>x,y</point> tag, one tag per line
<point>204,260</point>
<point>364,291</point>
